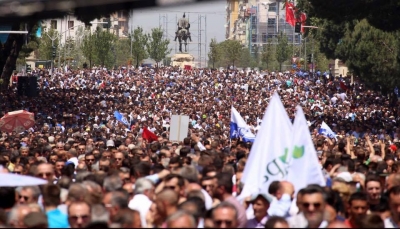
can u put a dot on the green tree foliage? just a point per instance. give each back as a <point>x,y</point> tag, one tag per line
<point>45,51</point>
<point>372,54</point>
<point>139,43</point>
<point>382,15</point>
<point>268,55</point>
<point>31,44</point>
<point>104,48</point>
<point>88,47</point>
<point>122,51</point>
<point>282,50</point>
<point>157,46</point>
<point>232,51</point>
<point>214,54</point>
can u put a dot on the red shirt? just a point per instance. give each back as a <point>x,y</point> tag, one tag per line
<point>349,224</point>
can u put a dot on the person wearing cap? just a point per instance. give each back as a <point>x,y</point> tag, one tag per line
<point>260,203</point>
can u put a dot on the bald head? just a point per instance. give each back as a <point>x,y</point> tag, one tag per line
<point>337,224</point>
<point>393,180</point>
<point>168,196</point>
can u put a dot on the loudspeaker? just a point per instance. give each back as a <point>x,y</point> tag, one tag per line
<point>22,86</point>
<point>27,86</point>
<point>32,88</point>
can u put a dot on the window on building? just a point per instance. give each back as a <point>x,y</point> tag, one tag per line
<point>253,37</point>
<point>53,24</point>
<point>271,21</point>
<point>120,14</point>
<point>71,25</point>
<point>272,7</point>
<point>264,37</point>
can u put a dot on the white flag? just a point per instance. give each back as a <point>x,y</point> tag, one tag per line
<point>267,161</point>
<point>239,128</point>
<point>326,131</point>
<point>304,168</point>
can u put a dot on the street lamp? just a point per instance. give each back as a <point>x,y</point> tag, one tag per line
<point>312,54</point>
<point>59,36</point>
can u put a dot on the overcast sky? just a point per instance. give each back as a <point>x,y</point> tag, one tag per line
<point>215,15</point>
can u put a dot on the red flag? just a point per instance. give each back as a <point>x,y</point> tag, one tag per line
<point>343,87</point>
<point>290,19</point>
<point>303,19</point>
<point>148,135</point>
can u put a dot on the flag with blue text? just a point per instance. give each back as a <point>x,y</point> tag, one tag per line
<point>239,128</point>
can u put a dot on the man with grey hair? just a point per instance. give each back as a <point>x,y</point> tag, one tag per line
<point>115,201</point>
<point>17,214</point>
<point>181,219</point>
<point>28,194</point>
<point>143,199</point>
<point>112,183</point>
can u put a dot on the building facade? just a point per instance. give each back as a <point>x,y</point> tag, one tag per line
<point>257,22</point>
<point>68,25</point>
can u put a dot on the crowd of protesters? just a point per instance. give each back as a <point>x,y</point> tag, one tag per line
<point>103,173</point>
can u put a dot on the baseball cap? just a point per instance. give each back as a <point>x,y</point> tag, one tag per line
<point>263,195</point>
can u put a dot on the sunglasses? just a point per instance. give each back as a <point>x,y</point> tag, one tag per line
<point>45,174</point>
<point>118,158</point>
<point>75,218</point>
<point>89,159</point>
<point>208,185</point>
<point>228,223</point>
<point>17,172</point>
<point>26,198</point>
<point>315,205</point>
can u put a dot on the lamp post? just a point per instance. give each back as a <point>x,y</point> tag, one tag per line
<point>312,47</point>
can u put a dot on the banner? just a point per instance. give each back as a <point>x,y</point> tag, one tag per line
<point>304,167</point>
<point>121,118</point>
<point>326,131</point>
<point>268,159</point>
<point>239,128</point>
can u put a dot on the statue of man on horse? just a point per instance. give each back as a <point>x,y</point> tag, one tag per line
<point>182,34</point>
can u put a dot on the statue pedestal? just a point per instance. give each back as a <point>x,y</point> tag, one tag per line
<point>182,59</point>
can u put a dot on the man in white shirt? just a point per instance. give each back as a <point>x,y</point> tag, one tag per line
<point>143,199</point>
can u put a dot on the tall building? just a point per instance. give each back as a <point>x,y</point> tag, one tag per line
<point>256,22</point>
<point>68,25</point>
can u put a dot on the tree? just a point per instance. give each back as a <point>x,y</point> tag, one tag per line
<point>88,47</point>
<point>157,46</point>
<point>45,51</point>
<point>267,54</point>
<point>122,51</point>
<point>232,50</point>
<point>282,50</point>
<point>214,55</point>
<point>382,15</point>
<point>372,54</point>
<point>32,44</point>
<point>139,43</point>
<point>103,46</point>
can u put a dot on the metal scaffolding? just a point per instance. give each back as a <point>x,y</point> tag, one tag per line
<point>198,31</point>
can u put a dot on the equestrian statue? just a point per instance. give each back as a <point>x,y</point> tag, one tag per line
<point>183,34</point>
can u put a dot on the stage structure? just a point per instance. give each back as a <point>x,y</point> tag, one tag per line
<point>198,30</point>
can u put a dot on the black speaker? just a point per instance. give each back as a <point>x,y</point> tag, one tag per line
<point>27,86</point>
<point>32,87</point>
<point>22,86</point>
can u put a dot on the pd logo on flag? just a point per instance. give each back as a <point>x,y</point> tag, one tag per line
<point>280,165</point>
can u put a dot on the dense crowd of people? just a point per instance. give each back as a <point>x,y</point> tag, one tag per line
<point>103,173</point>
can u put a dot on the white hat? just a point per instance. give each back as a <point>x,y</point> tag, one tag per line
<point>51,139</point>
<point>110,143</point>
<point>346,176</point>
<point>131,146</point>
